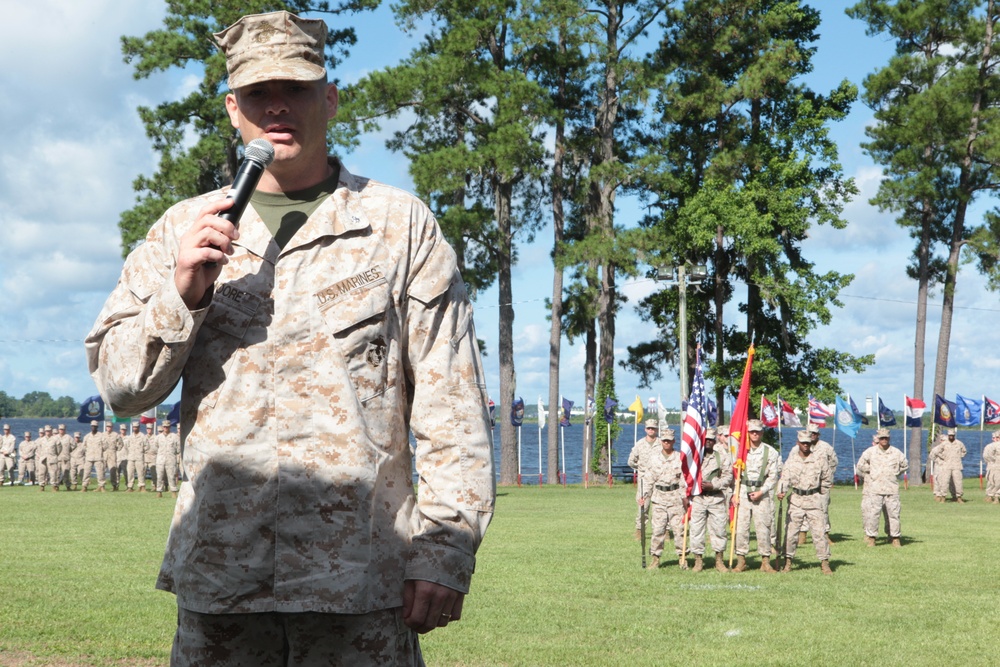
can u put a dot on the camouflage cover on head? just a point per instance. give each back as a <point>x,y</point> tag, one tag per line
<point>275,46</point>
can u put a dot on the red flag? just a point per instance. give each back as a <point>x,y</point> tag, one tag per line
<point>768,413</point>
<point>741,413</point>
<point>788,416</point>
<point>991,411</point>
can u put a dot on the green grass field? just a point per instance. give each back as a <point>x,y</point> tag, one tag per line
<point>558,582</point>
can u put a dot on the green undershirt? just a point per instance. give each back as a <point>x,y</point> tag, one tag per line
<point>284,213</point>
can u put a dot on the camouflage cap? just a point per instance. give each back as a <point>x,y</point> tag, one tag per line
<point>667,434</point>
<point>812,428</point>
<point>754,425</point>
<point>94,422</point>
<point>951,431</point>
<point>652,423</point>
<point>804,436</point>
<point>267,47</point>
<point>710,434</point>
<point>723,430</point>
<point>165,422</point>
<point>882,433</point>
<point>6,427</point>
<point>48,428</point>
<point>62,427</point>
<point>27,434</point>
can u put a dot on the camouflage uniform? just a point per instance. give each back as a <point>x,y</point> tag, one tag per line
<point>135,455</point>
<point>991,457</point>
<point>167,448</point>
<point>8,446</point>
<point>122,455</point>
<point>78,462</point>
<point>66,448</point>
<point>93,449</point>
<point>49,449</point>
<point>880,469</point>
<point>763,466</point>
<point>710,508</point>
<point>664,490</point>
<point>150,460</point>
<point>825,449</point>
<point>638,460</point>
<point>298,378</point>
<point>26,458</point>
<point>947,458</point>
<point>806,480</point>
<point>113,443</point>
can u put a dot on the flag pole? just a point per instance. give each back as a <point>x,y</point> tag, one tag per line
<point>906,427</point>
<point>610,477</point>
<point>781,418</point>
<point>878,411</point>
<point>982,414</point>
<point>854,459</point>
<point>562,439</point>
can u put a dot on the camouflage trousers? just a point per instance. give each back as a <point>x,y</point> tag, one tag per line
<point>99,466</point>
<point>136,471</point>
<point>6,467</point>
<point>305,639</point>
<point>662,516</point>
<point>947,480</point>
<point>26,469</point>
<point>801,518</point>
<point>711,512</point>
<point>49,473</point>
<point>77,472</point>
<point>872,505</point>
<point>166,474</point>
<point>993,482</point>
<point>762,515</point>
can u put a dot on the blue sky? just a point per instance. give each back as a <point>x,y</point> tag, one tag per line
<point>66,171</point>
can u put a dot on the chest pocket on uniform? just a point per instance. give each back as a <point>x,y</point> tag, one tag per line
<point>360,325</point>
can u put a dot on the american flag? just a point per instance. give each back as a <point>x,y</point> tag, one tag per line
<point>693,432</point>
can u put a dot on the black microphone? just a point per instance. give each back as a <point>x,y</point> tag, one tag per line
<point>257,155</point>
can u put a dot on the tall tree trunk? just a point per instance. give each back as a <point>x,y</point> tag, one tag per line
<point>915,455</point>
<point>555,334</point>
<point>508,433</point>
<point>590,381</point>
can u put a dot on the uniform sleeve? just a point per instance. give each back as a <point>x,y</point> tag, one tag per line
<point>725,473</point>
<point>143,336</point>
<point>826,479</point>
<point>449,418</point>
<point>864,463</point>
<point>773,471</point>
<point>633,458</point>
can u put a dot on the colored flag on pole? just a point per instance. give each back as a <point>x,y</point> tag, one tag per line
<point>174,416</point>
<point>857,413</point>
<point>493,417</point>
<point>609,409</point>
<point>712,413</point>
<point>768,413</point>
<point>944,411</point>
<point>541,413</point>
<point>636,407</point>
<point>567,410</point>
<point>818,412</point>
<point>741,414</point>
<point>661,411</point>
<point>92,408</point>
<point>517,412</point>
<point>992,409</point>
<point>915,412</point>
<point>590,410</point>
<point>886,417</point>
<point>969,411</point>
<point>848,420</point>
<point>693,432</point>
<point>788,415</point>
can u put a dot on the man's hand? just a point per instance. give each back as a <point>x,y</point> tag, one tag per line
<point>208,240</point>
<point>781,496</point>
<point>755,496</point>
<point>427,605</point>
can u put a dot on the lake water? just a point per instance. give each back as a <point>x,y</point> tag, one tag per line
<point>974,443</point>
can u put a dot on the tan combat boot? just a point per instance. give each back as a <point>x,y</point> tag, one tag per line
<point>829,539</point>
<point>741,564</point>
<point>654,563</point>
<point>869,541</point>
<point>765,564</point>
<point>825,566</point>
<point>896,543</point>
<point>788,564</point>
<point>159,494</point>
<point>802,538</point>
<point>720,562</point>
<point>960,499</point>
<point>699,564</point>
<point>173,493</point>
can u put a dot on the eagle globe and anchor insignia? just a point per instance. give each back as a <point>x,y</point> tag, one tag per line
<point>375,354</point>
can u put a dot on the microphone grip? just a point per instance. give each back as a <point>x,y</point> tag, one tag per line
<point>242,189</point>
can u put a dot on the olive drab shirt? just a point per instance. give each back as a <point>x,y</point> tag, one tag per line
<point>301,381</point>
<point>881,470</point>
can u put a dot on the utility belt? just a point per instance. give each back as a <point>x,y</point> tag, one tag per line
<point>667,487</point>
<point>805,492</point>
<point>714,492</point>
<point>753,486</point>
